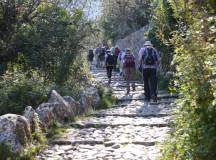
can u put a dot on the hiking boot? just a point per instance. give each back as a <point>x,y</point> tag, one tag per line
<point>155,99</point>
<point>109,81</point>
<point>128,91</point>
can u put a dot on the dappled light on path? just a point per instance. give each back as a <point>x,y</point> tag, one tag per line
<point>130,130</point>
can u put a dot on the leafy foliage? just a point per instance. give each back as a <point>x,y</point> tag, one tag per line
<point>40,49</point>
<point>17,91</point>
<point>106,98</point>
<point>194,41</point>
<point>162,26</point>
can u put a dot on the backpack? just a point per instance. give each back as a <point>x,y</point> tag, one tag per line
<point>102,53</point>
<point>129,60</point>
<point>90,54</point>
<point>117,51</point>
<point>110,60</point>
<point>149,56</point>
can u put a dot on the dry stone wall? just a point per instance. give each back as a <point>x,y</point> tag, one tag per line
<point>134,41</point>
<point>16,130</point>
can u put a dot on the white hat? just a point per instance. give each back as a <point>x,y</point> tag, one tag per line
<point>148,43</point>
<point>128,49</point>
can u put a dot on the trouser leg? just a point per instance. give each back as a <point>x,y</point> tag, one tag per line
<point>127,78</point>
<point>146,83</point>
<point>109,73</point>
<point>133,70</point>
<point>97,62</point>
<point>153,83</point>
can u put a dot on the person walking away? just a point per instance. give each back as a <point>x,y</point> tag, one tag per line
<point>90,57</point>
<point>116,54</point>
<point>129,69</point>
<point>109,63</point>
<point>97,53</point>
<point>102,57</point>
<point>149,59</point>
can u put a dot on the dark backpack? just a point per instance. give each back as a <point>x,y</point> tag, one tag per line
<point>117,51</point>
<point>102,53</point>
<point>90,54</point>
<point>110,60</point>
<point>149,56</point>
<point>129,60</point>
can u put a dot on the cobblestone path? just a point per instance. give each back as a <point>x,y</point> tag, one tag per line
<point>129,131</point>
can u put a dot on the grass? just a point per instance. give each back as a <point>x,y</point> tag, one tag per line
<point>56,130</point>
<point>107,99</point>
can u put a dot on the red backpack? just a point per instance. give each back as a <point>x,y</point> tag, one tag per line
<point>117,51</point>
<point>129,60</point>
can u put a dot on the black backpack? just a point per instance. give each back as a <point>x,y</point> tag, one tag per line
<point>102,53</point>
<point>91,54</point>
<point>110,60</point>
<point>149,56</point>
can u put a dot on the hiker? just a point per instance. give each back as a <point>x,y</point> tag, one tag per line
<point>97,53</point>
<point>116,54</point>
<point>90,57</point>
<point>149,60</point>
<point>129,69</point>
<point>109,63</point>
<point>101,56</point>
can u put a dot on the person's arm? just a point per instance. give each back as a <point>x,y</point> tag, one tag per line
<point>140,56</point>
<point>106,59</point>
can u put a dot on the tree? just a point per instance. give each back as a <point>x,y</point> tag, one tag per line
<point>122,17</point>
<point>42,35</point>
<point>194,45</point>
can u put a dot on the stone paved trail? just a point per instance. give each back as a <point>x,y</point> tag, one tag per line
<point>129,131</point>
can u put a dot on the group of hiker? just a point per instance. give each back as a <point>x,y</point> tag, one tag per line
<point>124,61</point>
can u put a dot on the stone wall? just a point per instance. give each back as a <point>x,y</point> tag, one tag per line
<point>134,41</point>
<point>16,130</point>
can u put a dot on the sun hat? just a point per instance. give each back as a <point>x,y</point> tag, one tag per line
<point>148,43</point>
<point>128,49</point>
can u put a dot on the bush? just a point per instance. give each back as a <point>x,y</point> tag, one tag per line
<point>17,91</point>
<point>106,98</point>
<point>5,151</point>
<point>165,81</point>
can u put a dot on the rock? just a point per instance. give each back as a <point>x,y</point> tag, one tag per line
<point>15,132</point>
<point>89,98</point>
<point>74,105</point>
<point>29,113</point>
<point>33,118</point>
<point>55,97</point>
<point>57,108</point>
<point>46,114</point>
<point>116,146</point>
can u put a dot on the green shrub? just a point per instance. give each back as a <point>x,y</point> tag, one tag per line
<point>164,81</point>
<point>106,98</point>
<point>193,136</point>
<point>5,152</point>
<point>18,91</point>
<point>56,129</point>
